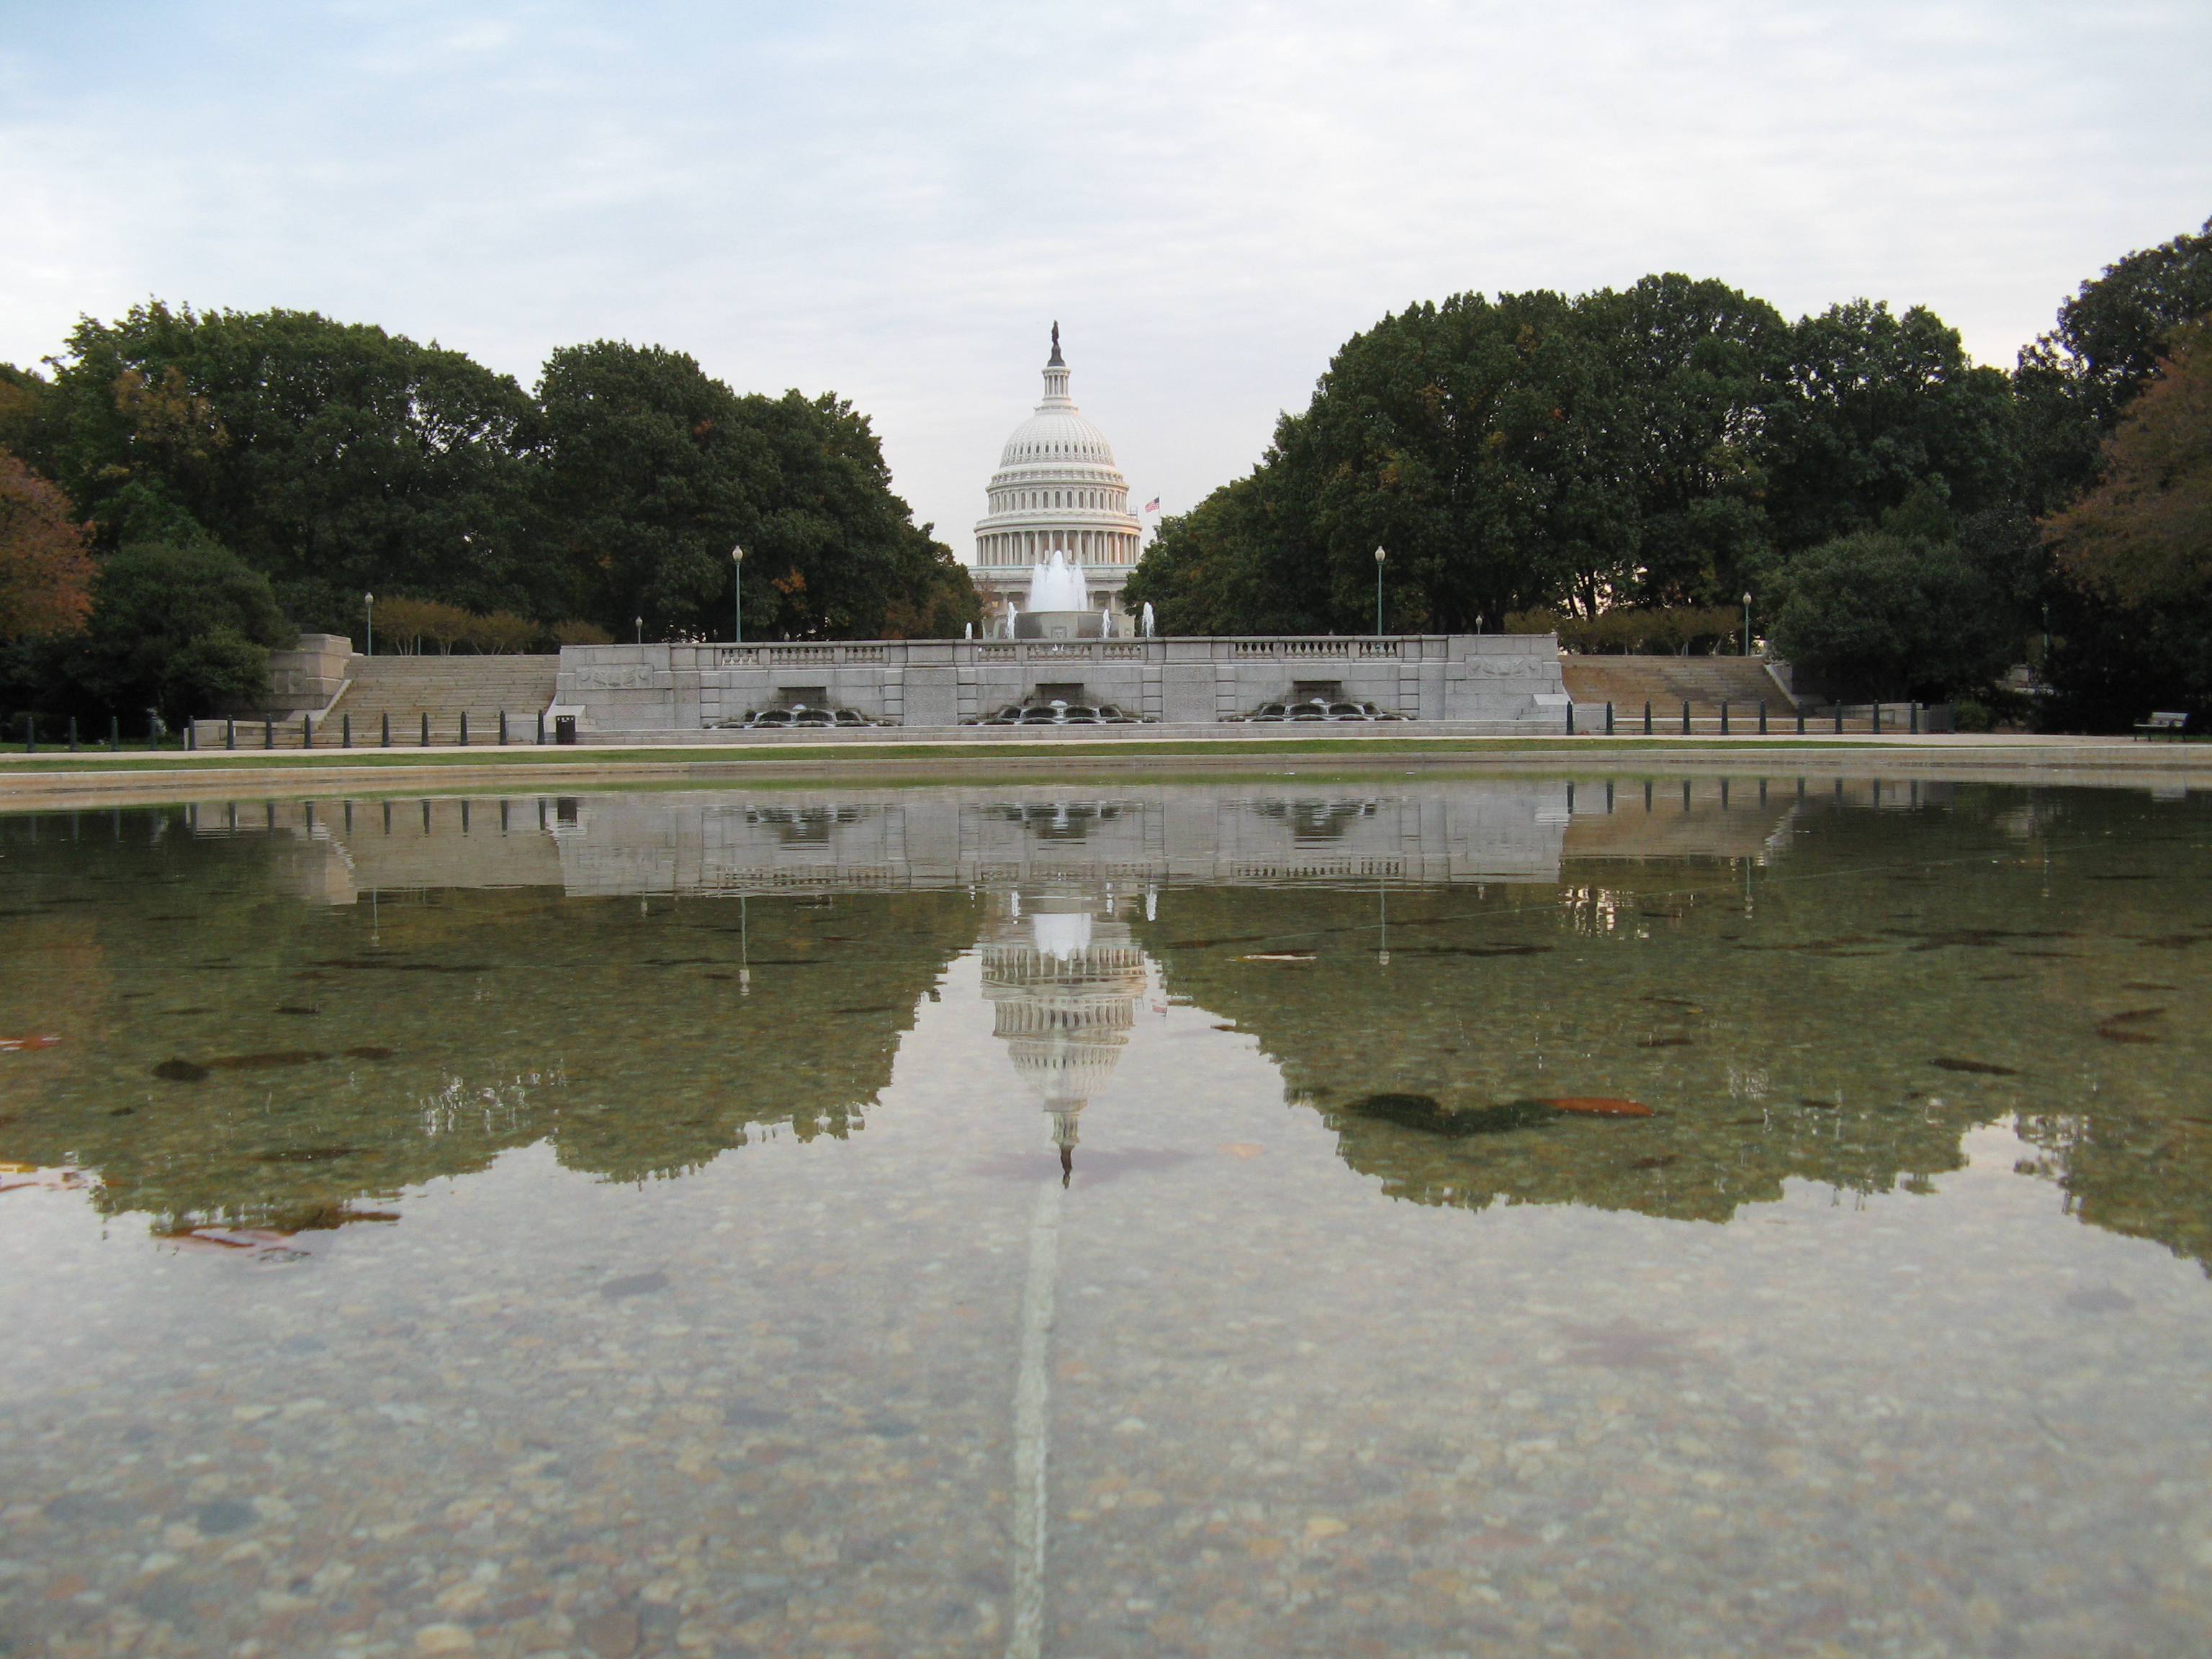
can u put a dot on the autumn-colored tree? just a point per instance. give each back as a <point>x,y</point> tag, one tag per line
<point>502,633</point>
<point>46,563</point>
<point>410,622</point>
<point>2145,533</point>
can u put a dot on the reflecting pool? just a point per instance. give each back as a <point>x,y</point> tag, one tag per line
<point>1307,1216</point>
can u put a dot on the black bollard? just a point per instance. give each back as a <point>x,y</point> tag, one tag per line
<point>345,729</point>
<point>1762,717</point>
<point>192,736</point>
<point>1877,719</point>
<point>1686,720</point>
<point>1839,717</point>
<point>1570,722</point>
<point>230,734</point>
<point>1724,724</point>
<point>114,733</point>
<point>1916,726</point>
<point>1801,720</point>
<point>426,729</point>
<point>268,734</point>
<point>306,731</point>
<point>1647,718</point>
<point>73,748</point>
<point>1609,727</point>
<point>465,728</point>
<point>503,728</point>
<point>386,741</point>
<point>541,728</point>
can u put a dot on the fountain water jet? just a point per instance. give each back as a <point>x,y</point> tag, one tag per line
<point>1060,605</point>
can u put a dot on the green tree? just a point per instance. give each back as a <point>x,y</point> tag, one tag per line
<point>332,457</point>
<point>1662,448</point>
<point>186,629</point>
<point>2074,384</point>
<point>1878,408</point>
<point>654,471</point>
<point>1901,611</point>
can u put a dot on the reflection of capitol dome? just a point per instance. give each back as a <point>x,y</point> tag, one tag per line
<point>1066,983</point>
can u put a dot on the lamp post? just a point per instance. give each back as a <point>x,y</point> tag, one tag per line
<point>737,595</point>
<point>369,604</point>
<point>1378,590</point>
<point>1747,622</point>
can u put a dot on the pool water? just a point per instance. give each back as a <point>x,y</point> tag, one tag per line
<point>1301,1215</point>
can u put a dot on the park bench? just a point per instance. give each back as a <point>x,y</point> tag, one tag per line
<point>2166,722</point>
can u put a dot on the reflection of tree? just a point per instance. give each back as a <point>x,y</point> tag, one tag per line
<point>1781,1020</point>
<point>2147,1174</point>
<point>640,1044</point>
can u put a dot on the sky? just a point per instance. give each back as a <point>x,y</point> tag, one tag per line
<point>894,202</point>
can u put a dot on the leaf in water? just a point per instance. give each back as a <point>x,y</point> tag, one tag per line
<point>1597,1106</point>
<point>1977,1068</point>
<point>180,1071</point>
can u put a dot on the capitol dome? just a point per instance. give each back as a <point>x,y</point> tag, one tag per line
<point>1056,490</point>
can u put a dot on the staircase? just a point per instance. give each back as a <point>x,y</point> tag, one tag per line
<point>1668,683</point>
<point>405,690</point>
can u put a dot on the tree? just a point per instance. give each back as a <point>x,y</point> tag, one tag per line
<point>2073,384</point>
<point>2145,533</point>
<point>46,565</point>
<point>1877,408</point>
<point>2134,608</point>
<point>1474,440</point>
<point>1662,446</point>
<point>332,457</point>
<point>186,629</point>
<point>1893,613</point>
<point>654,471</point>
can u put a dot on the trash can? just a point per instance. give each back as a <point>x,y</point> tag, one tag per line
<point>564,728</point>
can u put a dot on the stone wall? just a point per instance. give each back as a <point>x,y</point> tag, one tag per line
<point>1505,680</point>
<point>307,677</point>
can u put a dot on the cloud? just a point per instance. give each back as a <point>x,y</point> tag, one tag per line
<point>894,202</point>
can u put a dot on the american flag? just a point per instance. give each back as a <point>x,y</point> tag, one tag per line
<point>1153,505</point>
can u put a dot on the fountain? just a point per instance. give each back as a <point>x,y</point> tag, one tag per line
<point>1060,605</point>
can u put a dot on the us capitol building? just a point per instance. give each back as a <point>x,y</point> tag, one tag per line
<point>1057,489</point>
